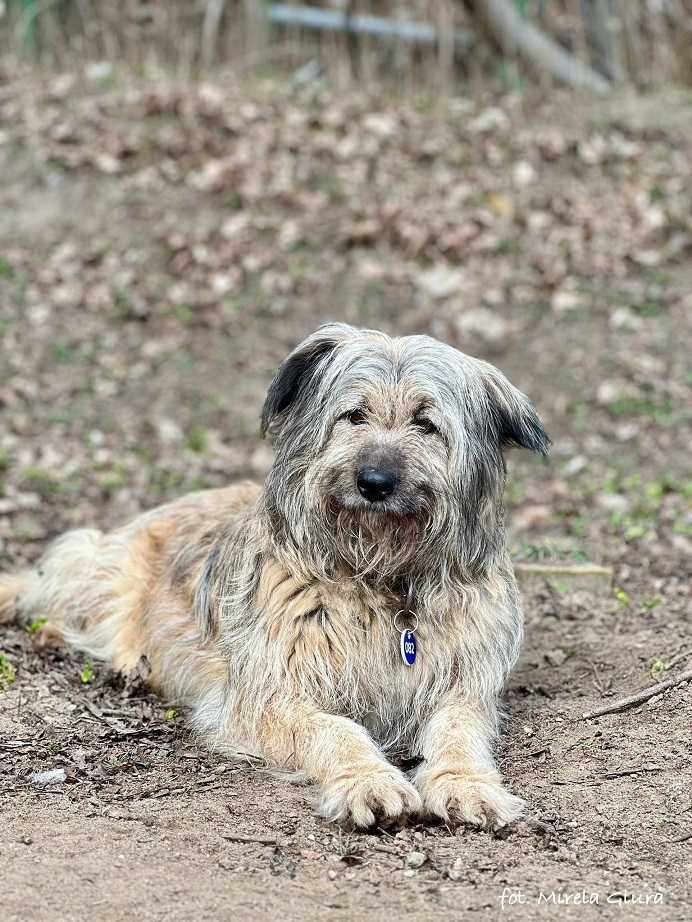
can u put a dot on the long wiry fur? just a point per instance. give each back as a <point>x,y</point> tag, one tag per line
<point>270,612</point>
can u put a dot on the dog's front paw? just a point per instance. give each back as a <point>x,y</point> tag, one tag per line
<point>363,797</point>
<point>463,798</point>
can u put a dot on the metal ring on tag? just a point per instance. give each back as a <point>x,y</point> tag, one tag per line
<point>405,612</point>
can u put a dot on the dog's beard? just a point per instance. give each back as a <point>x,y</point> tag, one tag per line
<point>376,542</point>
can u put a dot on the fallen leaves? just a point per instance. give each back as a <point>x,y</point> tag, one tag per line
<point>224,214</point>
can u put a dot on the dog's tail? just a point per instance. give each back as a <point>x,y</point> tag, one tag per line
<point>58,587</point>
<point>77,592</point>
<point>13,587</point>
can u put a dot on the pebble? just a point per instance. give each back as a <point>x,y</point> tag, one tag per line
<point>456,870</point>
<point>439,282</point>
<point>483,323</point>
<point>54,776</point>
<point>416,859</point>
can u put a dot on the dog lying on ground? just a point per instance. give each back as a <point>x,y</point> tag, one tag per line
<point>360,603</point>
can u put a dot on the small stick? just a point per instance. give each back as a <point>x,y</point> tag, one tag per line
<point>681,654</point>
<point>258,840</point>
<point>632,771</point>
<point>385,848</point>
<point>92,709</point>
<point>639,697</point>
<point>685,837</point>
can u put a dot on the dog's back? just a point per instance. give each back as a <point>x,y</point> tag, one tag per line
<point>108,594</point>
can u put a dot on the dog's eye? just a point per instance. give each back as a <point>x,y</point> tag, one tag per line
<point>356,417</point>
<point>425,426</point>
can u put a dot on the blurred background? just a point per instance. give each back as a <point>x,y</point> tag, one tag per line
<point>187,189</point>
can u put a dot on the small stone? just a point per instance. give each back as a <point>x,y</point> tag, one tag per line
<point>456,870</point>
<point>54,776</point>
<point>78,757</point>
<point>484,324</point>
<point>555,657</point>
<point>99,70</point>
<point>523,174</point>
<point>531,516</point>
<point>625,432</point>
<point>613,502</point>
<point>108,164</point>
<point>169,432</point>
<point>624,318</point>
<point>490,119</point>
<point>439,282</point>
<point>235,225</point>
<point>309,854</point>
<point>416,859</point>
<point>564,301</point>
<point>382,125</point>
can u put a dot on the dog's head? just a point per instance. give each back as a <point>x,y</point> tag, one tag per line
<point>390,453</point>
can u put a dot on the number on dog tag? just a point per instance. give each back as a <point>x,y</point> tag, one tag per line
<point>408,647</point>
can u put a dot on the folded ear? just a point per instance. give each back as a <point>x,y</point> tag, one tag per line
<point>514,416</point>
<point>298,370</point>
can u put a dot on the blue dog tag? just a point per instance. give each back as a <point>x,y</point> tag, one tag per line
<point>408,647</point>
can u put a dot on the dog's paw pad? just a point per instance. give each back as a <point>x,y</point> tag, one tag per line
<point>363,799</point>
<point>463,799</point>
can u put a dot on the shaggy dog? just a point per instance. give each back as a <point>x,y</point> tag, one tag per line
<point>361,603</point>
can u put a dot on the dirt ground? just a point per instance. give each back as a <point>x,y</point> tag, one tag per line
<point>160,250</point>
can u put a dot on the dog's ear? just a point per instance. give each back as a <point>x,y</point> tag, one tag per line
<point>298,369</point>
<point>514,417</point>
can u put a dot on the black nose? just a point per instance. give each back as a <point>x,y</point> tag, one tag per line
<point>375,485</point>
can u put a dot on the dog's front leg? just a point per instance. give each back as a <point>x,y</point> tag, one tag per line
<point>358,785</point>
<point>459,780</point>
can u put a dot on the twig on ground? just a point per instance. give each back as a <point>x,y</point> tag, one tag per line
<point>596,678</point>
<point>563,569</point>
<point>258,840</point>
<point>387,849</point>
<point>639,697</point>
<point>162,792</point>
<point>92,709</point>
<point>634,770</point>
<point>686,836</point>
<point>681,654</point>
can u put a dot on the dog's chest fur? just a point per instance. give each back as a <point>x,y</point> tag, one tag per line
<point>336,645</point>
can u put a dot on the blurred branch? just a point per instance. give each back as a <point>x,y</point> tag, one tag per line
<point>517,36</point>
<point>210,30</point>
<point>313,18</point>
<point>601,28</point>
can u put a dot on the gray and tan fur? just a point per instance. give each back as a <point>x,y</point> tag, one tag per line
<point>270,611</point>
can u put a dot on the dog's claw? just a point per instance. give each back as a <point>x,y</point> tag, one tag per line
<point>364,799</point>
<point>458,798</point>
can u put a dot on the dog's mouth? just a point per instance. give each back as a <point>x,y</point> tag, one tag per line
<point>380,538</point>
<point>395,507</point>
